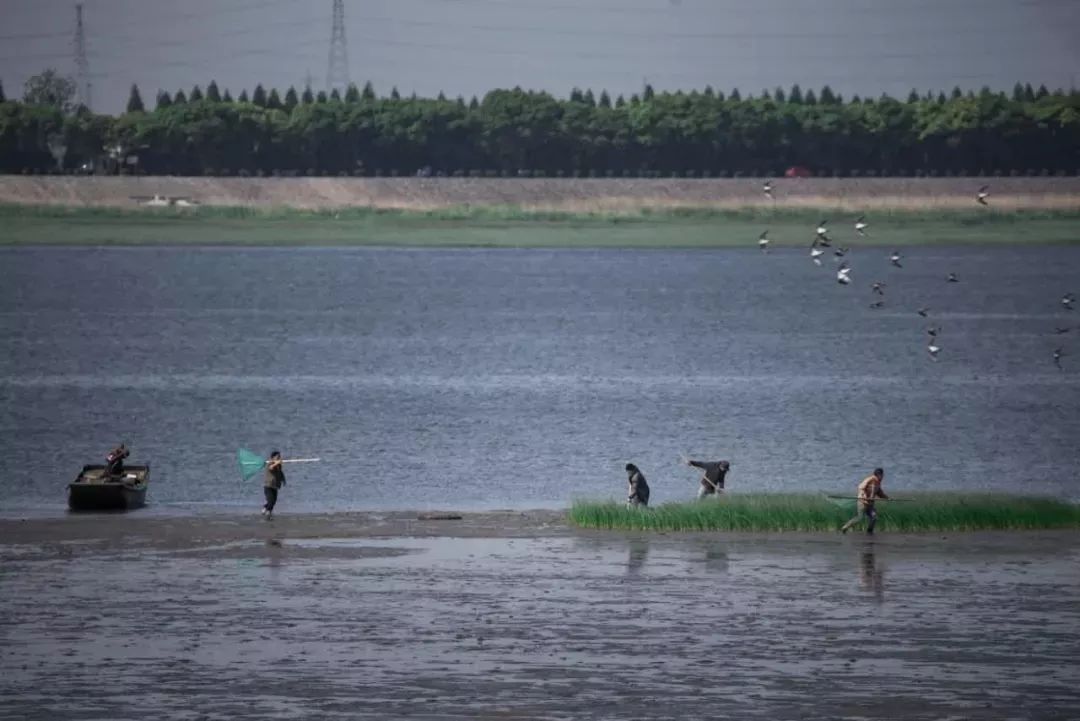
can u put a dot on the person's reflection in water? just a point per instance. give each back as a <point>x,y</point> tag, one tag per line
<point>871,577</point>
<point>639,550</point>
<point>274,553</point>
<point>715,559</point>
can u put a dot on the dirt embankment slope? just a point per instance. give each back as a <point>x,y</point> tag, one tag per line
<point>567,195</point>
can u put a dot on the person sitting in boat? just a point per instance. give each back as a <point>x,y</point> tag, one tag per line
<point>712,480</point>
<point>638,493</point>
<point>114,462</point>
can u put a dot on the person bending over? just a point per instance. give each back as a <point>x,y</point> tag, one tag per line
<point>712,479</point>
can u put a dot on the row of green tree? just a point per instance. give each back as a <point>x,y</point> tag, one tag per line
<point>207,132</point>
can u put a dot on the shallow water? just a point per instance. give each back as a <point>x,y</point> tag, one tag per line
<point>525,378</point>
<point>556,627</point>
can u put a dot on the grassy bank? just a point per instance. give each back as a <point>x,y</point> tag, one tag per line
<point>506,226</point>
<point>807,512</point>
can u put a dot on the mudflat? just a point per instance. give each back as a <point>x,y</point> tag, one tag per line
<point>516,615</point>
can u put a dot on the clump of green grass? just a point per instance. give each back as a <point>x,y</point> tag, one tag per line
<point>808,512</point>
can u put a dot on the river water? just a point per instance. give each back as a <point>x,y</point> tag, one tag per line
<point>476,378</point>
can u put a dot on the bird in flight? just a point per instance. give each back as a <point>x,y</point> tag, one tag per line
<point>924,311</point>
<point>1067,300</point>
<point>842,274</point>
<point>982,195</point>
<point>767,189</point>
<point>895,259</point>
<point>1057,357</point>
<point>933,349</point>
<point>932,331</point>
<point>878,287</point>
<point>816,253</point>
<point>952,278</point>
<point>860,225</point>
<point>877,304</point>
<point>763,242</point>
<point>1059,330</point>
<point>841,252</point>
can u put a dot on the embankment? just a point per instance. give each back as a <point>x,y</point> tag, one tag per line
<point>592,195</point>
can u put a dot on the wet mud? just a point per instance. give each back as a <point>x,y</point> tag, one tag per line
<point>508,616</point>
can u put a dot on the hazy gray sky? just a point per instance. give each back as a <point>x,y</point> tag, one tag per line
<point>467,47</point>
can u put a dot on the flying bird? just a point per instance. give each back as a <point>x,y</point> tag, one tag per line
<point>1059,330</point>
<point>841,252</point>
<point>925,311</point>
<point>877,304</point>
<point>982,195</point>
<point>763,242</point>
<point>878,287</point>
<point>815,254</point>
<point>933,350</point>
<point>767,189</point>
<point>1067,300</point>
<point>821,229</point>
<point>860,225</point>
<point>1057,357</point>
<point>895,259</point>
<point>842,274</point>
<point>932,331</point>
<point>952,278</point>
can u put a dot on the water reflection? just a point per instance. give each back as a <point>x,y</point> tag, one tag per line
<point>639,550</point>
<point>716,560</point>
<point>871,576</point>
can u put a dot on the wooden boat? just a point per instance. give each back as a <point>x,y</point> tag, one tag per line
<point>93,490</point>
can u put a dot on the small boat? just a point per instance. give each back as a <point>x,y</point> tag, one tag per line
<point>93,490</point>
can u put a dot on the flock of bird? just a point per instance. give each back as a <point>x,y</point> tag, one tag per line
<point>843,271</point>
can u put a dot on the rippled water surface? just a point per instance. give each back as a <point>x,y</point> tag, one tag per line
<point>524,378</point>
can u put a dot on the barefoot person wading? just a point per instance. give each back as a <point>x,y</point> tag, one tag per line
<point>869,491</point>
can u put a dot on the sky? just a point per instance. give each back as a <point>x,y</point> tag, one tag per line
<point>467,47</point>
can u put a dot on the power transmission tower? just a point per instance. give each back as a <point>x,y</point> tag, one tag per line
<point>82,67</point>
<point>337,71</point>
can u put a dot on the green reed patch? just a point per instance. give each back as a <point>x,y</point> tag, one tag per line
<point>917,512</point>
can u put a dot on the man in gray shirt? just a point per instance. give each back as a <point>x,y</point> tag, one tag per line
<point>712,478</point>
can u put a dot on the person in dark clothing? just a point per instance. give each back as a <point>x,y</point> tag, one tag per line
<point>712,480</point>
<point>638,494</point>
<point>114,462</point>
<point>274,480</point>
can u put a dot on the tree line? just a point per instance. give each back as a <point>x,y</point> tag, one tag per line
<point>518,132</point>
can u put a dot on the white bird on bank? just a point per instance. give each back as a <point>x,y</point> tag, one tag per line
<point>895,259</point>
<point>763,242</point>
<point>982,195</point>
<point>860,225</point>
<point>842,274</point>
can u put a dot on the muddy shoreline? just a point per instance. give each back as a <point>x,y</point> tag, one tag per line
<point>515,615</point>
